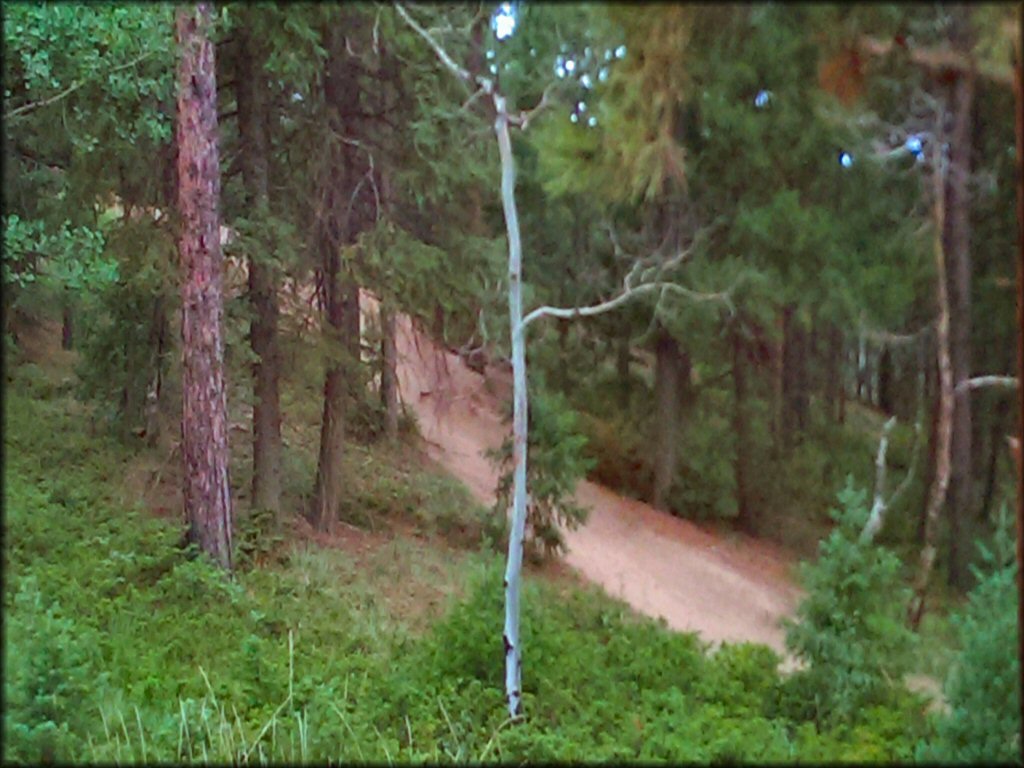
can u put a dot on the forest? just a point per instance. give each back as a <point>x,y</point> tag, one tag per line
<point>511,382</point>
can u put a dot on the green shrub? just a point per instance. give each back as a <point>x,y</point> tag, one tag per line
<point>850,630</point>
<point>983,690</point>
<point>555,463</point>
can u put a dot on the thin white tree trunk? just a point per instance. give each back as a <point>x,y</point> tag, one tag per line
<point>514,567</point>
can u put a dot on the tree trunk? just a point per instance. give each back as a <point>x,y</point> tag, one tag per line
<point>157,342</point>
<point>861,383</point>
<point>335,231</point>
<point>886,384</point>
<point>833,373</point>
<point>67,323</point>
<point>388,377</point>
<point>944,426</point>
<point>263,333</point>
<point>204,433</point>
<point>667,387</point>
<point>327,487</point>
<point>352,333</point>
<point>794,392</point>
<point>956,244</point>
<point>744,509</point>
<point>520,415</point>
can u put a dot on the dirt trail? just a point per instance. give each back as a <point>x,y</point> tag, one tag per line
<point>727,589</point>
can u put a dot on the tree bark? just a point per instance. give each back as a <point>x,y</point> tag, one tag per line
<point>67,332</point>
<point>263,330</point>
<point>520,415</point>
<point>667,385</point>
<point>944,425</point>
<point>956,244</point>
<point>886,383</point>
<point>744,509</point>
<point>794,391</point>
<point>327,487</point>
<point>335,230</point>
<point>833,372</point>
<point>388,377</point>
<point>204,433</point>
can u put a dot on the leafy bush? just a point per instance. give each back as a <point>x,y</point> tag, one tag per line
<point>983,691</point>
<point>555,464</point>
<point>850,630</point>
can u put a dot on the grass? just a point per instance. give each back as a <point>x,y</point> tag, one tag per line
<point>378,644</point>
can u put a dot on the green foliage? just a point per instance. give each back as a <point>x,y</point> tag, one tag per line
<point>850,629</point>
<point>555,462</point>
<point>983,688</point>
<point>124,647</point>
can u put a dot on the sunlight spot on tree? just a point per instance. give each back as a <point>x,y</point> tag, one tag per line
<point>574,117</point>
<point>504,21</point>
<point>602,75</point>
<point>620,52</point>
<point>581,106</point>
<point>560,70</point>
<point>608,54</point>
<point>585,81</point>
<point>490,55</point>
<point>494,69</point>
<point>592,121</point>
<point>570,65</point>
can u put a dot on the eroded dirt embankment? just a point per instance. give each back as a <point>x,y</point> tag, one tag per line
<point>727,589</point>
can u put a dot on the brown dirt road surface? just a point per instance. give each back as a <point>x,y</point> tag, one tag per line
<point>728,589</point>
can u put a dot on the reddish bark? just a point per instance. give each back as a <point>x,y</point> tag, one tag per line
<point>204,434</point>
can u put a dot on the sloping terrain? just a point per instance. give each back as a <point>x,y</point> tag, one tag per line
<point>727,589</point>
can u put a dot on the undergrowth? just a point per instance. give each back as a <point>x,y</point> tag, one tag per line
<point>123,645</point>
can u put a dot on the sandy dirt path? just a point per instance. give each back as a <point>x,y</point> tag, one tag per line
<point>727,589</point>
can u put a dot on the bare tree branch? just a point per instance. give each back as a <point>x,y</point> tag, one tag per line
<point>881,505</point>
<point>1010,382</point>
<point>460,72</point>
<point>625,295</point>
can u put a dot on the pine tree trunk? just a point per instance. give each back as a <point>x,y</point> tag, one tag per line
<point>667,385</point>
<point>833,373</point>
<point>328,484</point>
<point>388,377</point>
<point>352,337</point>
<point>794,392</point>
<point>744,509</point>
<point>204,433</point>
<point>67,332</point>
<point>335,231</point>
<point>886,384</point>
<point>263,330</point>
<point>956,244</point>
